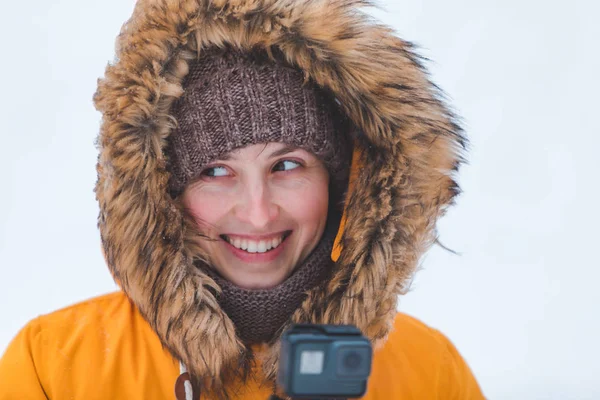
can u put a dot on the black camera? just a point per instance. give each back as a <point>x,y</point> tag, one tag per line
<point>324,361</point>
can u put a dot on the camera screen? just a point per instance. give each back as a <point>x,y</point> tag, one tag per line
<point>311,362</point>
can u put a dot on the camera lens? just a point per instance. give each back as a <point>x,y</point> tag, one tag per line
<point>352,360</point>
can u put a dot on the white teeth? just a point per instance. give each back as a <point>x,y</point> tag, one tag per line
<point>275,242</point>
<point>262,247</point>
<point>252,246</point>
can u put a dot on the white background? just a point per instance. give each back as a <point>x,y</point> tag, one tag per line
<point>520,301</point>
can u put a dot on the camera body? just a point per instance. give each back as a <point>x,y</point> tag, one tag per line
<point>324,361</point>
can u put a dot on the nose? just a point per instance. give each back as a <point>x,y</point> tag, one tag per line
<point>256,207</point>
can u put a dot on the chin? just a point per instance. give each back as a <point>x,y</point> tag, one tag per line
<point>259,281</point>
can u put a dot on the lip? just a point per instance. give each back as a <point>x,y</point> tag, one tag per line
<point>257,238</point>
<point>256,258</point>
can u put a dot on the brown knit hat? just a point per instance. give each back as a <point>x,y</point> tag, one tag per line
<point>234,99</point>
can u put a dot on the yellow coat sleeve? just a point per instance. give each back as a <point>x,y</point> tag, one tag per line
<point>18,371</point>
<point>455,379</point>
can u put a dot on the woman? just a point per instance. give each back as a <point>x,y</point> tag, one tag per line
<point>261,163</point>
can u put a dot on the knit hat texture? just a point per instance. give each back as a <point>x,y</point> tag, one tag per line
<point>233,99</point>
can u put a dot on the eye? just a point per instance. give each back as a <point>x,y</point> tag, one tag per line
<point>286,165</point>
<point>215,172</point>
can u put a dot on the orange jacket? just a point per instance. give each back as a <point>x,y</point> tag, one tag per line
<point>103,349</point>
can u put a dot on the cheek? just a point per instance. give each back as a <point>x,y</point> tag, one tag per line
<point>308,205</point>
<point>207,209</point>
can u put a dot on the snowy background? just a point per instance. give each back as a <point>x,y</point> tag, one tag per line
<point>520,301</point>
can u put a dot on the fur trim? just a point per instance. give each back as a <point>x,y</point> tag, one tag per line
<point>408,147</point>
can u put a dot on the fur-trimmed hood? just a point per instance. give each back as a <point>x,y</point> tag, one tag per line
<point>406,151</point>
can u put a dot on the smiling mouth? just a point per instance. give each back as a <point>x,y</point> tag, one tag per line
<point>256,246</point>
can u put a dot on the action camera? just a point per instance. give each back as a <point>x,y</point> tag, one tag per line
<point>324,361</point>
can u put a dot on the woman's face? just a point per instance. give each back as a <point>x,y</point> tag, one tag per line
<point>265,207</point>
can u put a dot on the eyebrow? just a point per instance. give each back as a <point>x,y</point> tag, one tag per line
<point>284,150</point>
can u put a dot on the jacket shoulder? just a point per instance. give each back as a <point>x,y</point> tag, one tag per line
<point>418,361</point>
<point>56,353</point>
<point>104,306</point>
<point>85,321</point>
